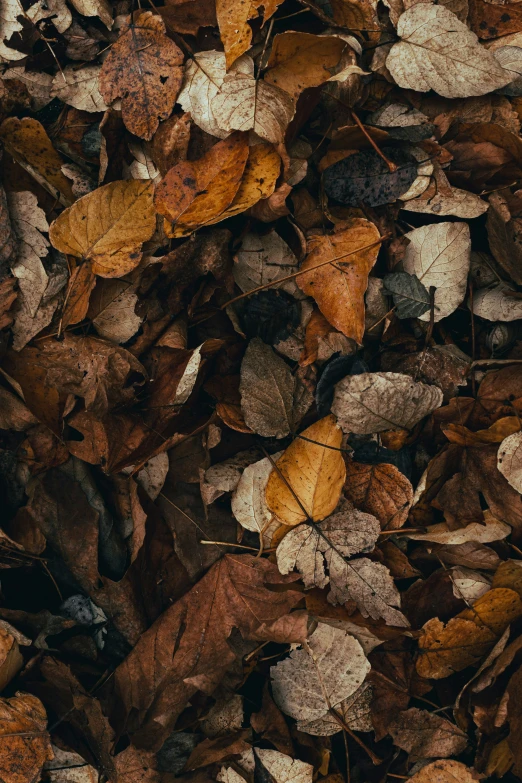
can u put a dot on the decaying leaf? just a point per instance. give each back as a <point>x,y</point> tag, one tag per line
<point>309,476</point>
<point>444,771</point>
<point>263,259</point>
<point>510,460</point>
<point>460,203</point>
<point>439,52</point>
<point>283,768</point>
<point>26,746</point>
<point>79,88</point>
<point>108,226</point>
<point>410,297</point>
<point>499,303</point>
<point>249,504</point>
<point>424,735</point>
<point>374,402</point>
<point>232,18</point>
<point>329,668</point>
<point>379,489</point>
<point>143,68</point>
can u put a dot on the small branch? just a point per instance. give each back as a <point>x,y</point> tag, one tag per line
<point>392,166</point>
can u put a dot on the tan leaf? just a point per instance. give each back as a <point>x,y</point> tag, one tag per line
<point>424,735</point>
<point>498,303</point>
<point>153,474</point>
<point>468,637</point>
<point>144,69</point>
<point>259,178</point>
<point>25,742</point>
<point>79,88</point>
<point>9,24</point>
<point>108,226</point>
<point>270,394</point>
<point>249,499</point>
<point>312,467</point>
<point>28,220</point>
<point>378,401</point>
<point>301,60</point>
<point>461,204</point>
<point>193,194</point>
<point>438,52</point>
<point>355,711</point>
<point>381,490</point>
<point>245,104</point>
<point>283,768</point>
<point>100,8</point>
<point>509,460</point>
<point>81,284</point>
<point>439,255</point>
<point>118,321</point>
<point>14,414</point>
<point>262,259</point>
<point>234,30</point>
<point>493,530</point>
<point>339,288</point>
<point>444,771</point>
<point>27,141</point>
<point>329,668</point>
<point>38,84</point>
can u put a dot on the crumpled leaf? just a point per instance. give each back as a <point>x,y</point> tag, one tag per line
<point>468,637</point>
<point>439,255</point>
<point>26,745</point>
<point>379,489</point>
<point>79,88</point>
<point>378,401</point>
<point>461,204</point>
<point>328,669</point>
<point>499,303</point>
<point>108,226</point>
<point>272,401</point>
<point>312,467</point>
<point>439,52</point>
<point>193,194</point>
<point>424,735</point>
<point>410,297</point>
<point>143,68</point>
<point>339,288</point>
<point>186,650</point>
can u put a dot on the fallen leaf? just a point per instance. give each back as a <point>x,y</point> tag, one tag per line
<point>11,660</point>
<point>499,303</point>
<point>234,30</point>
<point>339,288</point>
<point>410,297</point>
<point>374,402</point>
<point>379,489</point>
<point>312,467</point>
<point>28,221</point>
<point>461,204</point>
<point>283,768</point>
<point>186,650</point>
<point>143,68</point>
<point>270,399</point>
<point>194,194</point>
<point>25,742</point>
<point>509,460</point>
<point>38,84</point>
<point>355,712</point>
<point>249,504</point>
<point>504,231</point>
<point>27,141</point>
<point>424,735</point>
<point>117,320</point>
<point>444,771</point>
<point>262,259</point>
<point>108,226</point>
<point>328,669</point>
<point>10,24</point>
<point>438,52</point>
<point>492,530</point>
<point>100,8</point>
<point>79,88</point>
<point>468,637</point>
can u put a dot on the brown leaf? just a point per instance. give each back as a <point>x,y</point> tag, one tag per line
<point>187,16</point>
<point>423,735</point>
<point>27,746</point>
<point>504,232</point>
<point>81,284</point>
<point>195,194</point>
<point>7,237</point>
<point>186,649</point>
<point>445,771</point>
<point>379,489</point>
<point>339,288</point>
<point>108,226</point>
<point>143,68</point>
<point>10,659</point>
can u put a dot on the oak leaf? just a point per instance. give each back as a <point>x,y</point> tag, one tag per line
<point>379,489</point>
<point>108,226</point>
<point>144,69</point>
<point>193,194</point>
<point>374,402</point>
<point>339,287</point>
<point>309,475</point>
<point>186,650</point>
<point>439,52</point>
<point>439,255</point>
<point>328,669</point>
<point>25,742</point>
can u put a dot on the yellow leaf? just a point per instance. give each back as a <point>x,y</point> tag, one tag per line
<point>234,30</point>
<point>193,194</point>
<point>108,226</point>
<point>312,472</point>
<point>468,637</point>
<point>28,143</point>
<point>301,60</point>
<point>339,288</point>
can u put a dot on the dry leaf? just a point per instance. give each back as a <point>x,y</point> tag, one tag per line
<point>79,88</point>
<point>378,401</point>
<point>108,226</point>
<point>9,24</point>
<point>283,768</point>
<point>195,194</point>
<point>509,461</point>
<point>38,84</point>
<point>262,259</point>
<point>439,255</point>
<point>248,501</point>
<point>438,52</point>
<point>312,467</point>
<point>25,743</point>
<point>11,660</point>
<point>28,220</point>
<point>444,771</point>
<point>499,303</point>
<point>339,288</point>
<point>355,712</point>
<point>460,203</point>
<point>381,490</point>
<point>493,530</point>
<point>100,8</point>
<point>424,735</point>
<point>234,30</point>
<point>468,637</point>
<point>143,68</point>
<point>117,320</point>
<point>329,668</point>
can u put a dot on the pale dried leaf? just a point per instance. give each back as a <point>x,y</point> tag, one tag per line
<point>78,87</point>
<point>283,768</point>
<point>509,461</point>
<point>444,771</point>
<point>267,391</point>
<point>153,474</point>
<point>38,84</point>
<point>493,530</point>
<point>10,12</point>
<point>28,220</point>
<point>499,303</point>
<point>263,259</point>
<point>118,320</point>
<point>100,8</point>
<point>461,204</point>
<point>249,499</point>
<point>355,712</point>
<point>424,735</point>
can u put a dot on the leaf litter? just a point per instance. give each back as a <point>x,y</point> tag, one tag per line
<point>260,389</point>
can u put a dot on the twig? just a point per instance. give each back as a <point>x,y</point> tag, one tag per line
<point>391,165</point>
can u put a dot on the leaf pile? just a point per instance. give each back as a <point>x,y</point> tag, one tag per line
<point>260,391</point>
